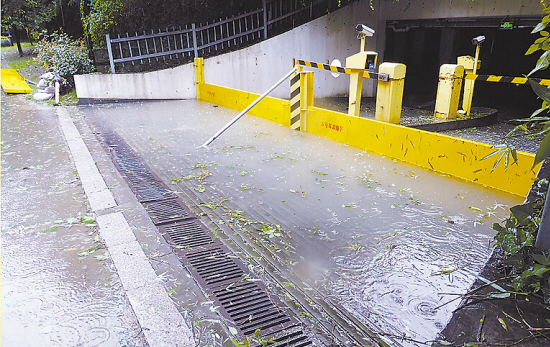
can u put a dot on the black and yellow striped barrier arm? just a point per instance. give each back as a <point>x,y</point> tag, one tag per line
<point>506,79</point>
<point>344,70</point>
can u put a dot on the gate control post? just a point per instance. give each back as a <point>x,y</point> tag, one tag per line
<point>199,75</point>
<point>470,67</point>
<point>356,61</point>
<point>448,91</point>
<point>359,62</point>
<point>389,98</point>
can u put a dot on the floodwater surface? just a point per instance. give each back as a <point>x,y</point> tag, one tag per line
<point>385,240</point>
<point>58,286</point>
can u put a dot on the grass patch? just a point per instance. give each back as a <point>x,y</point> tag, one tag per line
<point>25,65</point>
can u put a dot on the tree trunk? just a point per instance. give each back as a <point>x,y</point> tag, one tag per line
<point>87,36</point>
<point>17,40</point>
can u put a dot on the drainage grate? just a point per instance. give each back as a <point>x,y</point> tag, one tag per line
<point>215,267</point>
<point>166,211</point>
<point>130,164</point>
<point>292,339</point>
<point>244,304</point>
<point>139,177</point>
<point>152,192</point>
<point>187,234</point>
<point>251,309</point>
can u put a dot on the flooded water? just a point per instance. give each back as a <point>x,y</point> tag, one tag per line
<point>383,239</point>
<point>55,292</point>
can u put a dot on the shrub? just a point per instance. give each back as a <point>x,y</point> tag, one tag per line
<point>63,56</point>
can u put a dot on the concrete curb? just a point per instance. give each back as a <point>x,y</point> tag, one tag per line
<point>156,313</point>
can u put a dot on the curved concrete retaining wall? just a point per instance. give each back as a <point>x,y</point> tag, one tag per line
<point>176,83</point>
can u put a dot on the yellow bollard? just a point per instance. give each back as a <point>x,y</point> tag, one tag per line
<point>199,75</point>
<point>471,65</point>
<point>389,98</point>
<point>448,91</point>
<point>356,61</point>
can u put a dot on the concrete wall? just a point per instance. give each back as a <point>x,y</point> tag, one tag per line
<point>176,83</point>
<point>333,36</point>
<point>256,68</point>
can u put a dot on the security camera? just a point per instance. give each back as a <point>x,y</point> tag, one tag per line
<point>362,29</point>
<point>478,40</point>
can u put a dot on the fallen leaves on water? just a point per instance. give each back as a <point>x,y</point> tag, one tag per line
<point>89,251</point>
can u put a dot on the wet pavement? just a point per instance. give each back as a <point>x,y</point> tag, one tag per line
<point>59,288</point>
<point>379,239</point>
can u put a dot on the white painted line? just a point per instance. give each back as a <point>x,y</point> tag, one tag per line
<point>96,190</point>
<point>157,314</point>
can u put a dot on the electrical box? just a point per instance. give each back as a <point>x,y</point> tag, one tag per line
<point>372,58</point>
<point>363,61</point>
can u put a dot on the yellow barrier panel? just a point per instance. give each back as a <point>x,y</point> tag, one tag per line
<point>274,109</point>
<point>445,154</point>
<point>12,82</point>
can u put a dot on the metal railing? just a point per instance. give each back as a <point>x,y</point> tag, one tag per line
<point>185,43</point>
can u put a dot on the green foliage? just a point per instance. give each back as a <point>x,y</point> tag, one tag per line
<point>29,14</point>
<point>542,43</point>
<point>506,151</point>
<point>63,56</point>
<point>254,340</point>
<point>103,16</point>
<point>517,235</point>
<point>540,120</point>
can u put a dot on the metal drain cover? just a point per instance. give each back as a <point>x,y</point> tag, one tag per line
<point>167,211</point>
<point>187,234</point>
<point>244,302</point>
<point>216,267</point>
<point>249,306</point>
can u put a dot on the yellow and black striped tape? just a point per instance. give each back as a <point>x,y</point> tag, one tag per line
<point>295,101</point>
<point>344,70</point>
<point>506,79</point>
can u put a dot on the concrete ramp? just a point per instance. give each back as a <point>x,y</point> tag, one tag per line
<point>13,82</point>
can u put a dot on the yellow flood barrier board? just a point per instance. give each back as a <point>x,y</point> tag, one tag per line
<point>12,82</point>
<point>445,154</point>
<point>273,109</point>
<point>441,153</point>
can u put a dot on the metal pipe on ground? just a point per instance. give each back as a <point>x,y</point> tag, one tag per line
<point>222,130</point>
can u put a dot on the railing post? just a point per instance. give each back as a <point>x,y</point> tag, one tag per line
<point>110,51</point>
<point>195,49</point>
<point>264,4</point>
